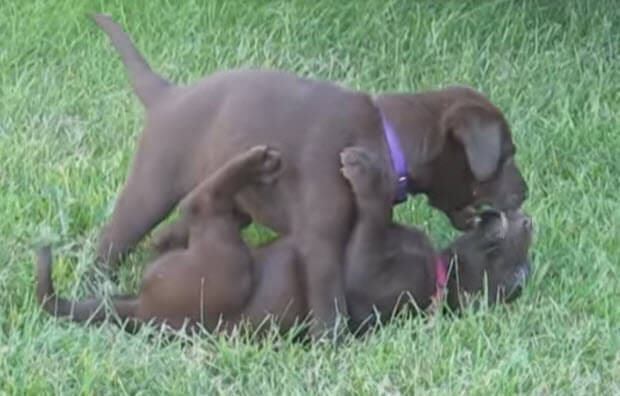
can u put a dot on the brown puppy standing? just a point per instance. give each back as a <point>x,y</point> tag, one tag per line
<point>457,144</point>
<point>218,280</point>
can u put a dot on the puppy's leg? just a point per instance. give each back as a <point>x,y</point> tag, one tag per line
<point>212,278</point>
<point>322,218</point>
<point>373,197</point>
<point>371,184</point>
<point>147,197</point>
<point>134,215</point>
<point>224,259</point>
<point>371,243</point>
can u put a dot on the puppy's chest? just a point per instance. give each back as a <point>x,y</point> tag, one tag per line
<point>408,271</point>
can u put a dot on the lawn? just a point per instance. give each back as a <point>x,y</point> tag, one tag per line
<point>68,129</point>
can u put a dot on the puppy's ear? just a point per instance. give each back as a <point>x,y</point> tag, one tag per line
<point>492,226</point>
<point>480,133</point>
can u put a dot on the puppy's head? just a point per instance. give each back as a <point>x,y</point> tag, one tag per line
<point>493,255</point>
<point>469,160</point>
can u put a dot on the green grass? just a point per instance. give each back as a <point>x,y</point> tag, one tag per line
<point>68,129</point>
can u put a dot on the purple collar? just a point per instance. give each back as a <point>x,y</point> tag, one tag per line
<point>399,162</point>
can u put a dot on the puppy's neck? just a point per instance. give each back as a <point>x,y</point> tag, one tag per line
<point>419,137</point>
<point>375,209</point>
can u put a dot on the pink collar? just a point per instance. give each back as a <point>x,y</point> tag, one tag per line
<point>441,278</point>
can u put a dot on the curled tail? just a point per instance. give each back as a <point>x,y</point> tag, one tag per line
<point>92,309</point>
<point>148,85</point>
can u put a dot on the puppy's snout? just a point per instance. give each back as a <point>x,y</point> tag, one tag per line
<point>528,223</point>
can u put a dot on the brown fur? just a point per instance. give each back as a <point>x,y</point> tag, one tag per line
<point>457,143</point>
<point>219,281</point>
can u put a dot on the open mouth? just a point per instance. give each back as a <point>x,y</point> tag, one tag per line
<point>467,218</point>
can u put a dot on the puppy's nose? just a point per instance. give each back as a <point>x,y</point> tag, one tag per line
<point>528,223</point>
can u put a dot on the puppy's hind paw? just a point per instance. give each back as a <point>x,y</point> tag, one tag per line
<point>359,165</point>
<point>265,164</point>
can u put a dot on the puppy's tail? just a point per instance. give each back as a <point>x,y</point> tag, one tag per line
<point>148,85</point>
<point>92,309</point>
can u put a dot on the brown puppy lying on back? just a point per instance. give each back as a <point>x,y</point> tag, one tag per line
<point>452,144</point>
<point>387,261</point>
<point>219,281</point>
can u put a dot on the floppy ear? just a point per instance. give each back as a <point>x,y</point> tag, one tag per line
<point>480,135</point>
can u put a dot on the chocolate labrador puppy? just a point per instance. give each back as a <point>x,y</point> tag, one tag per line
<point>218,281</point>
<point>387,261</point>
<point>453,145</point>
